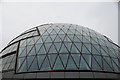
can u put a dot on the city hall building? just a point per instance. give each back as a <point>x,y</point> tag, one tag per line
<point>60,50</point>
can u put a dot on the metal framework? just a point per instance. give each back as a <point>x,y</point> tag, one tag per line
<point>61,47</point>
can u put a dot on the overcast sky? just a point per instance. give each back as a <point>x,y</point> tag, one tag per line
<point>99,16</point>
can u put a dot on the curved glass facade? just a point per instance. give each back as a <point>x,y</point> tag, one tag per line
<point>62,47</point>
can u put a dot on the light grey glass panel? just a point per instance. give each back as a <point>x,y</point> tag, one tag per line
<point>83,64</point>
<point>95,64</point>
<point>32,52</point>
<point>74,49</point>
<point>23,53</point>
<point>23,67</point>
<point>40,59</point>
<point>30,41</point>
<point>42,50</point>
<point>99,60</point>
<point>58,64</point>
<point>63,49</point>
<point>20,62</point>
<point>47,46</point>
<point>64,58</point>
<point>52,58</point>
<point>57,45</point>
<point>30,60</point>
<point>71,64</point>
<point>76,58</point>
<point>37,47</point>
<point>45,65</point>
<point>52,49</point>
<point>34,65</point>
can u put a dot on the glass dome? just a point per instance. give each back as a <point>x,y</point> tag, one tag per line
<point>52,47</point>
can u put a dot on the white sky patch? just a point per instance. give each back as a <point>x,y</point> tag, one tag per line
<point>18,17</point>
<point>60,0</point>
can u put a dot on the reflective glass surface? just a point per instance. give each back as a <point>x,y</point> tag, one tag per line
<point>65,47</point>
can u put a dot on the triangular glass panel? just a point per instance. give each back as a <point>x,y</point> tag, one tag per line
<point>85,50</point>
<point>94,41</point>
<point>78,46</point>
<point>87,59</point>
<point>53,32</point>
<point>52,49</point>
<point>20,62</point>
<point>36,38</point>
<point>23,67</point>
<point>52,58</point>
<point>30,41</point>
<point>53,37</point>
<point>34,65</point>
<point>64,29</point>
<point>95,51</point>
<point>42,50</point>
<point>115,61</point>
<point>6,66</point>
<point>62,36</point>
<point>58,64</point>
<point>69,31</point>
<point>42,30</point>
<point>68,45</point>
<point>78,32</point>
<point>39,40</point>
<point>64,58</point>
<point>30,60</point>
<point>44,38</point>
<point>21,49</point>
<point>67,39</point>
<point>57,45</point>
<point>40,59</point>
<point>88,46</point>
<point>57,39</point>
<point>76,39</point>
<point>23,53</point>
<point>106,66</point>
<point>84,33</point>
<point>95,65</point>
<point>108,60</point>
<point>101,42</point>
<point>11,66</point>
<point>70,36</point>
<point>76,58</point>
<point>29,48</point>
<point>115,67</point>
<point>92,34</point>
<point>86,39</point>
<point>45,65</point>
<point>47,46</point>
<point>37,47</point>
<point>79,37</point>
<point>48,39</point>
<point>61,32</point>
<point>22,43</point>
<point>111,52</point>
<point>83,64</point>
<point>97,47</point>
<point>45,33</point>
<point>106,49</point>
<point>71,64</point>
<point>98,60</point>
<point>63,49</point>
<point>49,30</point>
<point>103,52</point>
<point>74,49</point>
<point>32,52</point>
